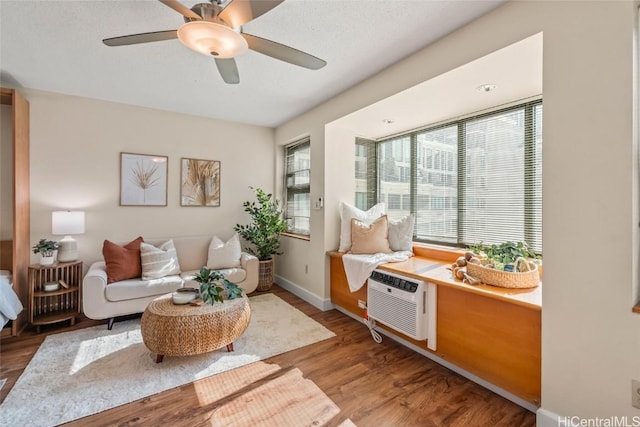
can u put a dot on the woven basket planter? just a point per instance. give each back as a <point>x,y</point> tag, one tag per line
<point>506,279</point>
<point>265,275</point>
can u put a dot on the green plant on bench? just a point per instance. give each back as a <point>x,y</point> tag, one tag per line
<point>505,253</point>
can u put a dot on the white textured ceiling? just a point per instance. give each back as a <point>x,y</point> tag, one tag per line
<point>515,71</point>
<point>57,46</point>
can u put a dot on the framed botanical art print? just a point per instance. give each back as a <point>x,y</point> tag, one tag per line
<point>143,180</point>
<point>199,182</point>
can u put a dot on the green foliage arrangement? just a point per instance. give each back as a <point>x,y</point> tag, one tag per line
<point>45,247</point>
<point>213,286</point>
<point>504,253</point>
<point>267,222</point>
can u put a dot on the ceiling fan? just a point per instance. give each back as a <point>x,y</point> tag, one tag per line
<point>216,30</point>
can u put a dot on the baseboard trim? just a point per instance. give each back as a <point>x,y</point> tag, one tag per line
<point>546,418</point>
<point>504,393</point>
<point>322,304</point>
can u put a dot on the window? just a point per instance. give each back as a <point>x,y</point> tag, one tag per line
<point>366,173</point>
<point>477,179</point>
<point>394,183</point>
<point>298,201</point>
<point>437,185</point>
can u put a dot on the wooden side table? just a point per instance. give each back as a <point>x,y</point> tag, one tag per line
<point>54,306</point>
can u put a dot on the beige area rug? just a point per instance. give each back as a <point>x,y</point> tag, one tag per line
<point>83,372</point>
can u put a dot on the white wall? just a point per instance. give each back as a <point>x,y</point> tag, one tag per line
<point>75,164</point>
<point>590,338</point>
<point>6,173</point>
<point>297,263</point>
<point>303,264</point>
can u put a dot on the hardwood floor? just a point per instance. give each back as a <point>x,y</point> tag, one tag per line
<point>373,384</point>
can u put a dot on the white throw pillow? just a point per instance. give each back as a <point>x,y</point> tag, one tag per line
<point>347,212</point>
<point>401,233</point>
<point>224,255</point>
<point>158,262</point>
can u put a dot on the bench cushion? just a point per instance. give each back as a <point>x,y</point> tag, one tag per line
<point>138,288</point>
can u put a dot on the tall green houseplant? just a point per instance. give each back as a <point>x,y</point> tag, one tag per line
<point>263,232</point>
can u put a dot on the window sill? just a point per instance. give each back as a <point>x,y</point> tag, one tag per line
<point>297,236</point>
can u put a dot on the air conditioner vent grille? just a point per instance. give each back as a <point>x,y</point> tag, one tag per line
<point>394,312</point>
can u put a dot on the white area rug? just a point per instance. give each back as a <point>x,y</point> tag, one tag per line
<point>83,372</point>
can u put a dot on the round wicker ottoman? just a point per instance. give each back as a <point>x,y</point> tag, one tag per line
<point>184,330</point>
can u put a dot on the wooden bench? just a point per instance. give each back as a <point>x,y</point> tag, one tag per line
<point>491,332</point>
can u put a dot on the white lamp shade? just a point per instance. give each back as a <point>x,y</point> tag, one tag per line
<point>67,222</point>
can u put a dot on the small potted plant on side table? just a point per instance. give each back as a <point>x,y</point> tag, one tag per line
<point>46,249</point>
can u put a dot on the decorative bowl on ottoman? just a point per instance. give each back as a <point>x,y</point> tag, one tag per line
<point>185,295</point>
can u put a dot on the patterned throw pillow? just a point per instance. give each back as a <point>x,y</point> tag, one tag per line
<point>370,238</point>
<point>224,255</point>
<point>158,262</point>
<point>123,262</point>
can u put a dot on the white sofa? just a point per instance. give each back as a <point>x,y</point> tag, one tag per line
<point>102,301</point>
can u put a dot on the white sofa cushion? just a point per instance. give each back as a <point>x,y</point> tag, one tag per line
<point>138,288</point>
<point>158,261</point>
<point>224,255</point>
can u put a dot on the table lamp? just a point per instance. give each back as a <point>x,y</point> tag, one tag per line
<point>67,223</point>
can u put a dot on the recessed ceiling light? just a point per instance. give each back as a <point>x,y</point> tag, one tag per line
<point>486,88</point>
<point>387,121</point>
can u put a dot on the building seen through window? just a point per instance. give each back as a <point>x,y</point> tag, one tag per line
<point>473,180</point>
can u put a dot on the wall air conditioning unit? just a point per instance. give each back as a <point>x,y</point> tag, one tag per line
<point>404,304</point>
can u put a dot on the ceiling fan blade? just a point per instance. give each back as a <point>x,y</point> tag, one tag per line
<point>180,8</point>
<point>141,38</point>
<point>283,53</point>
<point>239,12</point>
<point>228,70</point>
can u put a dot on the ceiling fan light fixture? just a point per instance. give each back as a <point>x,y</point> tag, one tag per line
<point>209,38</point>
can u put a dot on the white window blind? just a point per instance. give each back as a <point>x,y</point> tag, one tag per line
<point>365,167</point>
<point>502,165</point>
<point>394,184</point>
<point>297,186</point>
<point>436,199</point>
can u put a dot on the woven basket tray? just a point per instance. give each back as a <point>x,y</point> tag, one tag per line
<point>506,279</point>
